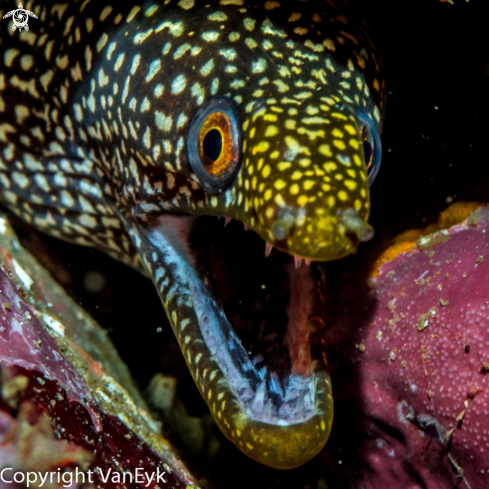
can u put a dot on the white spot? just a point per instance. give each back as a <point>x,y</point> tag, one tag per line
<point>158,90</point>
<point>207,67</point>
<point>181,50</point>
<point>210,36</point>
<point>119,61</point>
<point>22,274</point>
<point>154,67</point>
<point>229,53</point>
<point>110,50</point>
<point>54,324</point>
<point>145,105</point>
<point>142,36</point>
<point>259,66</point>
<point>125,92</point>
<point>182,120</point>
<point>163,122</point>
<point>147,138</point>
<point>214,86</point>
<point>178,85</point>
<point>135,63</point>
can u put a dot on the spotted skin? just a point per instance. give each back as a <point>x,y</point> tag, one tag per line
<point>96,101</point>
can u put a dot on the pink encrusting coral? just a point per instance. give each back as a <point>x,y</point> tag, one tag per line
<point>67,402</point>
<point>418,362</point>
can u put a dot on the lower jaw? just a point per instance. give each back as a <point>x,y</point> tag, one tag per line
<point>277,410</point>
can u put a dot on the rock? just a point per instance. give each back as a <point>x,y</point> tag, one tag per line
<point>410,363</point>
<point>67,400</point>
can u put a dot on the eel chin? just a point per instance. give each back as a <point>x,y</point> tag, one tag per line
<point>250,322</point>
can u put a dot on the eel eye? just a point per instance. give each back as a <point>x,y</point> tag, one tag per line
<point>372,146</point>
<point>214,144</point>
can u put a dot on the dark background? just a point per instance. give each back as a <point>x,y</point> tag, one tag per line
<point>436,145</point>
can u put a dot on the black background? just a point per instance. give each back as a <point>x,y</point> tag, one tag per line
<point>436,147</point>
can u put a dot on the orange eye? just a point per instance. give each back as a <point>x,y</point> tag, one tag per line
<point>214,144</point>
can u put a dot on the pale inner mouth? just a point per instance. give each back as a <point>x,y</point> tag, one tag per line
<point>254,313</point>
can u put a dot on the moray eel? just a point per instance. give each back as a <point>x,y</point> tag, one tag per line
<point>122,126</point>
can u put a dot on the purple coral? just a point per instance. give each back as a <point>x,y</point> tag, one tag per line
<point>411,363</point>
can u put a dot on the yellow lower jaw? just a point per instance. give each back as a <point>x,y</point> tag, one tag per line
<point>279,446</point>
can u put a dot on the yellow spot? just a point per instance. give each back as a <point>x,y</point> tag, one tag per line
<point>186,4</point>
<point>350,129</point>
<point>249,445</point>
<point>238,432</point>
<point>337,133</point>
<point>323,425</point>
<point>270,212</point>
<point>363,193</point>
<point>294,189</point>
<point>357,160</point>
<point>339,144</point>
<point>325,150</point>
<point>297,175</point>
<point>331,201</point>
<point>275,155</point>
<point>279,200</point>
<point>133,13</point>
<point>9,56</point>
<point>301,31</point>
<point>280,184</point>
<point>339,115</point>
<point>330,166</point>
<point>268,196</point>
<point>358,204</point>
<point>295,16</point>
<point>305,162</point>
<point>266,172</point>
<point>290,124</point>
<point>261,147</point>
<point>271,131</point>
<point>376,85</point>
<point>326,187</point>
<point>354,143</point>
<point>284,165</point>
<point>308,184</point>
<point>350,184</point>
<point>329,44</point>
<point>342,195</point>
<point>302,200</point>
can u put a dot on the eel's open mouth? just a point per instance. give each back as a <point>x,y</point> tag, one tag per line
<point>256,314</point>
<point>264,335</point>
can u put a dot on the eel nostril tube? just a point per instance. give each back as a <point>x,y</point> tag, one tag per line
<point>286,220</point>
<point>352,223</point>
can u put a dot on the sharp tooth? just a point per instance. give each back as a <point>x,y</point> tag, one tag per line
<point>307,262</point>
<point>312,390</point>
<point>268,248</point>
<point>258,404</point>
<point>227,220</point>
<point>246,227</point>
<point>297,261</point>
<point>267,413</point>
<point>299,406</point>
